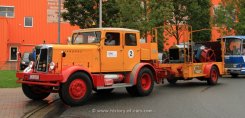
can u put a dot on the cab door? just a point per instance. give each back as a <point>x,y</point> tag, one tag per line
<point>131,50</point>
<point>112,52</point>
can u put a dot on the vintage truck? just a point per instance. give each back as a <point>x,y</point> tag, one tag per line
<point>102,59</point>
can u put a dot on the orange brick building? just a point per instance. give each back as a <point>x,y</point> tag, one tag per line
<point>25,23</point>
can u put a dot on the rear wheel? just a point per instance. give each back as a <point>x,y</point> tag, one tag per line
<point>77,90</point>
<point>214,76</point>
<point>144,85</point>
<point>35,92</point>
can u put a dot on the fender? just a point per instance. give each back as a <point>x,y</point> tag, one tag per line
<point>136,69</point>
<point>207,69</point>
<point>72,69</point>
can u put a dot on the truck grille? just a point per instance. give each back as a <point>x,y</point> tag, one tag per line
<point>42,60</point>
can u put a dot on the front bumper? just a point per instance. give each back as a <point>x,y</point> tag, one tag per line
<point>235,71</point>
<point>45,79</point>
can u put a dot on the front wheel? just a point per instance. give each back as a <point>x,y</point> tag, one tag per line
<point>144,85</point>
<point>214,76</point>
<point>35,92</point>
<point>77,90</point>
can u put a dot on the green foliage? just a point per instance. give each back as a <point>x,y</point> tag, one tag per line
<point>240,26</point>
<point>189,12</point>
<point>199,18</point>
<point>130,14</point>
<point>8,79</point>
<point>177,21</point>
<point>225,16</point>
<point>160,10</point>
<point>143,15</point>
<point>85,13</point>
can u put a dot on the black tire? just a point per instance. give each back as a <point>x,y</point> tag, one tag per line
<point>172,81</point>
<point>132,91</point>
<point>214,76</point>
<point>104,91</point>
<point>34,92</point>
<point>71,92</point>
<point>234,75</point>
<point>142,89</point>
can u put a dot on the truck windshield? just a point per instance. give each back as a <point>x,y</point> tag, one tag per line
<point>233,46</point>
<point>86,37</point>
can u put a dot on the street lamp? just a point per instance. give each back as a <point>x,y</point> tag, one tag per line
<point>100,14</point>
<point>59,15</point>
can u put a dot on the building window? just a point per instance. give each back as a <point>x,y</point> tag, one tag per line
<point>28,21</point>
<point>13,53</point>
<point>7,11</point>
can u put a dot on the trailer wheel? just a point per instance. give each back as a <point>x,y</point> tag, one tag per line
<point>144,84</point>
<point>214,76</point>
<point>35,92</point>
<point>77,90</point>
<point>172,81</point>
<point>104,91</point>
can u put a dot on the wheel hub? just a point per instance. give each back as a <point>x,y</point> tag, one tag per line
<point>146,81</point>
<point>77,89</point>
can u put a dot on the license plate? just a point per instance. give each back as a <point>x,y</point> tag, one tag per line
<point>34,77</point>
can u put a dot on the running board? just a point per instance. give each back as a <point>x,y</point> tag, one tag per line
<point>120,85</point>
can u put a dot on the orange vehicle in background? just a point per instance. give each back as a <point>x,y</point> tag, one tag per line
<point>102,59</point>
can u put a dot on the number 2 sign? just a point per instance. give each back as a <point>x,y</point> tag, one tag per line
<point>131,54</point>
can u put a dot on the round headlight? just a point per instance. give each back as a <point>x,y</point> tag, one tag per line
<point>51,66</point>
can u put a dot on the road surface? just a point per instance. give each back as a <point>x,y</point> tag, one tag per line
<point>186,99</point>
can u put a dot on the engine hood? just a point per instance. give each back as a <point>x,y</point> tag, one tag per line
<point>77,55</point>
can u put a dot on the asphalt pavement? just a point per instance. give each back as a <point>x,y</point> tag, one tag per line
<point>186,99</point>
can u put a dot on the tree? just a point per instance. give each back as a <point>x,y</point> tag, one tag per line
<point>240,25</point>
<point>199,19</point>
<point>143,15</point>
<point>176,24</point>
<point>225,16</point>
<point>192,13</point>
<point>85,13</point>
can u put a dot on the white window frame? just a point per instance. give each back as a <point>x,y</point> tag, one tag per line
<point>6,14</point>
<point>10,53</point>
<point>25,21</point>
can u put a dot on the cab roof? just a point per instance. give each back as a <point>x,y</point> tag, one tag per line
<point>106,29</point>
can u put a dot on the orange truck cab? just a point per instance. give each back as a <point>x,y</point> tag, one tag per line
<point>98,59</point>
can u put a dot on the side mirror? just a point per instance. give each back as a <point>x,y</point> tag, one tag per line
<point>69,40</point>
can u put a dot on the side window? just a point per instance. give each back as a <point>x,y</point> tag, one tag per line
<point>112,39</point>
<point>7,11</point>
<point>130,39</point>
